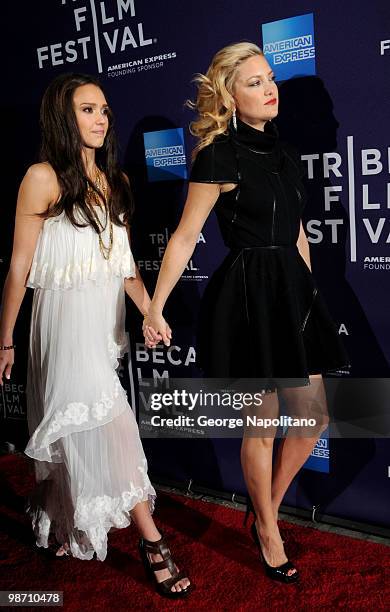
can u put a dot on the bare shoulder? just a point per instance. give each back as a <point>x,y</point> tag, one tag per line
<point>43,178</point>
<point>42,173</point>
<point>39,188</point>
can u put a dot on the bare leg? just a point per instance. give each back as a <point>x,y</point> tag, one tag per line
<point>256,460</point>
<point>294,450</point>
<point>144,522</point>
<point>148,530</point>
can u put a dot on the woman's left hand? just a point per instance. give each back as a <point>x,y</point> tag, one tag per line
<point>152,338</point>
<point>155,329</point>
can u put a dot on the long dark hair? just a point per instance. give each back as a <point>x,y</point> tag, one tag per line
<point>62,147</point>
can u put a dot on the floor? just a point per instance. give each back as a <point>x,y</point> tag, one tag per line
<point>290,518</point>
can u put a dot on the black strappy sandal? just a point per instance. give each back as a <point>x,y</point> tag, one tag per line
<point>160,547</point>
<point>280,572</point>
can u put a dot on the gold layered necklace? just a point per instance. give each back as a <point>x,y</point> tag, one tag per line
<point>93,201</point>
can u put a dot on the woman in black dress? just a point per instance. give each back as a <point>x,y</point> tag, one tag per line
<point>262,315</point>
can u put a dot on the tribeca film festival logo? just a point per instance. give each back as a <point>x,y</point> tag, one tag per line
<point>165,155</point>
<point>155,368</point>
<point>288,45</point>
<point>151,369</point>
<point>101,28</point>
<point>12,401</point>
<point>158,244</point>
<point>372,215</point>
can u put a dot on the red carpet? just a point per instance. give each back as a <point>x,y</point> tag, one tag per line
<point>336,571</point>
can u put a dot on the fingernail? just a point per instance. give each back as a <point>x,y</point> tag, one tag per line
<point>8,376</point>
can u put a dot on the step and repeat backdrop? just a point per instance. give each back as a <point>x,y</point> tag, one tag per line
<point>332,64</point>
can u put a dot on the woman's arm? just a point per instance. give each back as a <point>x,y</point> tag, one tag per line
<point>200,201</point>
<point>136,289</point>
<point>303,246</point>
<point>137,292</point>
<point>38,190</point>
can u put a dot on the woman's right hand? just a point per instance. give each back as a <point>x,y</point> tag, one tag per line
<point>7,358</point>
<point>155,328</point>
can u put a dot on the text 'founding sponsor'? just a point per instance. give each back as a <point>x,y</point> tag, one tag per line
<point>291,49</point>
<point>166,156</point>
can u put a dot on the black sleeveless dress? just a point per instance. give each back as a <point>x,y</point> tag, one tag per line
<point>262,314</point>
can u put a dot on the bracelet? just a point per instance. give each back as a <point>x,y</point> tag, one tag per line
<point>7,348</point>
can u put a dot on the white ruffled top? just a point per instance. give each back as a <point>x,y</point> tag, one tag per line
<point>68,257</point>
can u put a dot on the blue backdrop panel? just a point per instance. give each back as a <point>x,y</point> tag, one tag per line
<point>329,58</point>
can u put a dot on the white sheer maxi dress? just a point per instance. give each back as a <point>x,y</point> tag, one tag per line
<point>89,462</point>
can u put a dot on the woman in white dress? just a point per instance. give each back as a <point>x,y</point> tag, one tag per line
<point>71,245</point>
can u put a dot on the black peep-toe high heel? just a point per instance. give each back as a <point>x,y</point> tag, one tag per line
<point>280,572</point>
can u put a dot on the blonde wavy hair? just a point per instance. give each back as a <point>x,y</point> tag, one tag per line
<point>214,102</point>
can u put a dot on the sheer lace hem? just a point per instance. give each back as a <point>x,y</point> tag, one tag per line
<point>75,417</point>
<point>93,519</point>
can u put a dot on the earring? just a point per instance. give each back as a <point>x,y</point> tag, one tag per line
<point>234,119</point>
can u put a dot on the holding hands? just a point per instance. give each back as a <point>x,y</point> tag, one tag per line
<point>155,328</point>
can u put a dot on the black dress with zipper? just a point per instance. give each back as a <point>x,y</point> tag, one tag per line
<point>262,314</point>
